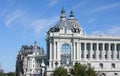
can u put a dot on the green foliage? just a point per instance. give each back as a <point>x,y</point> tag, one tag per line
<point>82,70</point>
<point>60,71</point>
<point>1,74</point>
<point>9,74</point>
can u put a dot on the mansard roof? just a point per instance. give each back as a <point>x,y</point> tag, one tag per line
<point>31,49</point>
<point>70,23</point>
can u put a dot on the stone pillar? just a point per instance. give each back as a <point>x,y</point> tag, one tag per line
<point>54,54</point>
<point>85,51</point>
<point>119,54</point>
<point>74,51</point>
<point>91,51</point>
<point>103,51</point>
<point>50,59</point>
<point>97,51</point>
<point>54,51</point>
<point>109,52</point>
<point>79,51</point>
<point>115,52</point>
<point>58,53</point>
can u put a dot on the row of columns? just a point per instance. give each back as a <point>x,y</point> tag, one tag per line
<point>79,54</point>
<point>54,54</point>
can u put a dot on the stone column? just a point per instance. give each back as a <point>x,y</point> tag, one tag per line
<point>91,51</point>
<point>103,51</point>
<point>80,51</point>
<point>74,50</point>
<point>119,54</point>
<point>109,52</point>
<point>54,51</point>
<point>97,51</point>
<point>115,52</point>
<point>54,54</point>
<point>85,51</point>
<point>74,53</point>
<point>50,51</point>
<point>58,53</point>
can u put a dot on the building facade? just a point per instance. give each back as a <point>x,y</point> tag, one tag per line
<point>67,44</point>
<point>30,61</point>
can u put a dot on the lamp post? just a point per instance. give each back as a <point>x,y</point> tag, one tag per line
<point>56,63</point>
<point>42,67</point>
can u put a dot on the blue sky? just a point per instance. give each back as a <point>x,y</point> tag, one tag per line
<point>26,21</point>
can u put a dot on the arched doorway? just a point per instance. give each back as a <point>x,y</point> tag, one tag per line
<point>65,54</point>
<point>103,74</point>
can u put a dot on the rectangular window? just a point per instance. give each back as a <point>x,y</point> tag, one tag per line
<point>113,65</point>
<point>117,56</point>
<point>88,64</point>
<point>105,56</point>
<point>94,47</point>
<point>87,56</point>
<point>82,46</point>
<point>112,55</point>
<point>65,30</point>
<point>100,56</point>
<point>82,55</point>
<point>101,65</point>
<point>93,56</point>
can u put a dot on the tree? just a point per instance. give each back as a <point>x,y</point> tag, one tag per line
<point>10,74</point>
<point>60,71</point>
<point>82,70</point>
<point>1,74</point>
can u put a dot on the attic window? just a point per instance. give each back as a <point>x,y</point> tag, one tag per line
<point>101,65</point>
<point>65,30</point>
<point>113,65</point>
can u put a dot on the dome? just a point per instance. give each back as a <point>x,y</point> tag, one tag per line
<point>62,24</point>
<point>70,23</point>
<point>74,23</point>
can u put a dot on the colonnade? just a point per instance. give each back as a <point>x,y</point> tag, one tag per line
<point>85,51</point>
<point>103,51</point>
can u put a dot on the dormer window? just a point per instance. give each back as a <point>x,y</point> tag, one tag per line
<point>54,29</point>
<point>65,30</point>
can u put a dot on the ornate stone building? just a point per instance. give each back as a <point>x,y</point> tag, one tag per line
<point>30,61</point>
<point>67,44</point>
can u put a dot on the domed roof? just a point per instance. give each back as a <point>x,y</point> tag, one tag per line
<point>62,24</point>
<point>70,23</point>
<point>73,21</point>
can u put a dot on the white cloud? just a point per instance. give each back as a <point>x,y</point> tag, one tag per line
<point>115,30</point>
<point>12,17</point>
<point>105,7</point>
<point>92,20</point>
<point>34,25</point>
<point>41,25</point>
<point>80,4</point>
<point>53,2</point>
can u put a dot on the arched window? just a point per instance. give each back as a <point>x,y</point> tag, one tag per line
<point>65,49</point>
<point>65,54</point>
<point>103,74</point>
